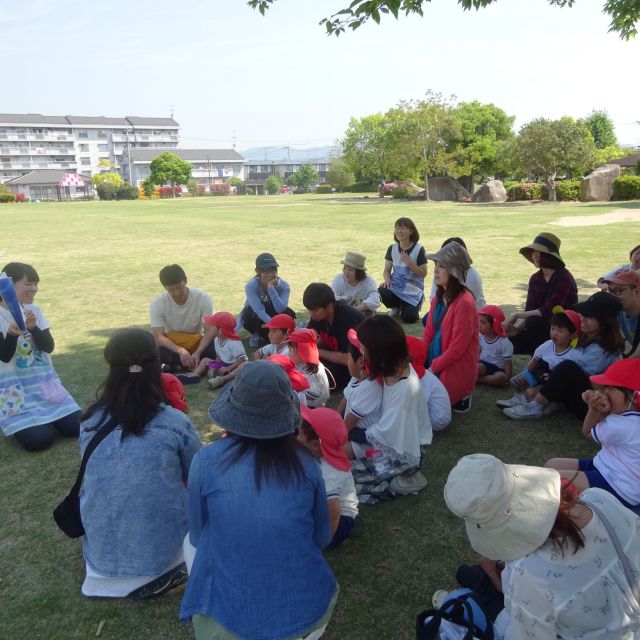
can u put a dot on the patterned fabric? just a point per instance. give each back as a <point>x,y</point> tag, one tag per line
<point>560,290</point>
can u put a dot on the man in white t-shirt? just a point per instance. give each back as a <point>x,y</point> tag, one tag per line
<point>177,321</point>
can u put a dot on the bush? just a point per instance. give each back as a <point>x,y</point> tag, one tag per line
<point>148,188</point>
<point>272,185</point>
<point>106,191</point>
<point>525,191</point>
<point>202,190</point>
<point>167,192</point>
<point>126,192</point>
<point>20,197</point>
<point>363,187</point>
<point>626,188</point>
<point>249,191</point>
<point>324,188</point>
<point>7,197</point>
<point>399,192</point>
<point>236,182</point>
<point>568,190</point>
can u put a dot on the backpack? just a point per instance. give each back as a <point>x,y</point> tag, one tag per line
<point>461,617</point>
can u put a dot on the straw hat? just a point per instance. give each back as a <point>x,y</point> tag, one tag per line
<point>545,243</point>
<point>355,260</point>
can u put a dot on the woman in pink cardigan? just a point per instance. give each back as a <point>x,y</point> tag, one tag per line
<point>451,335</point>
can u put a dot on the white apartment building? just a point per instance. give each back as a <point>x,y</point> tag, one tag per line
<point>77,143</point>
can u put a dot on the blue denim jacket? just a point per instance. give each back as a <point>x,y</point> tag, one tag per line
<point>259,569</point>
<point>134,500</point>
<point>279,296</point>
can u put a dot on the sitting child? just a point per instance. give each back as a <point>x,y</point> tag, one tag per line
<point>279,327</point>
<point>303,350</point>
<point>299,382</point>
<point>612,421</point>
<point>324,433</point>
<point>496,350</point>
<point>565,328</point>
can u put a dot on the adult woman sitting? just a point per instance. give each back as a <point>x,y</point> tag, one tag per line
<point>258,518</point>
<point>267,295</point>
<point>634,264</point>
<point>354,286</point>
<point>134,500</point>
<point>562,575</point>
<point>34,405</point>
<point>551,286</point>
<point>451,335</point>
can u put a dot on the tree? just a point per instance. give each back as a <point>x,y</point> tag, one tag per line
<point>304,178</point>
<point>624,13</point>
<point>602,130</point>
<point>272,185</point>
<point>339,175</point>
<point>168,167</point>
<point>107,178</point>
<point>551,147</point>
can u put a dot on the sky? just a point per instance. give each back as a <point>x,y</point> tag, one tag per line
<point>228,73</point>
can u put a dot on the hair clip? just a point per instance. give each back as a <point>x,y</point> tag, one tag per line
<point>135,368</point>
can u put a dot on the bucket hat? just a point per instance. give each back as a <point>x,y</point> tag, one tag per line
<point>455,259</point>
<point>266,261</point>
<point>545,243</point>
<point>281,321</point>
<point>225,322</point>
<point>306,341</point>
<point>332,431</point>
<point>508,509</point>
<point>355,260</point>
<point>298,380</point>
<point>259,403</point>
<point>600,304</point>
<point>497,316</point>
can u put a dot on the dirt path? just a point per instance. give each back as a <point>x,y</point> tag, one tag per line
<point>618,215</point>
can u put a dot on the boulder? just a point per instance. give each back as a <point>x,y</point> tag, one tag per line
<point>598,185</point>
<point>447,188</point>
<point>492,191</point>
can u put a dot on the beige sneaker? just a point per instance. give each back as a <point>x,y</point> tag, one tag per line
<point>439,597</point>
<point>216,382</point>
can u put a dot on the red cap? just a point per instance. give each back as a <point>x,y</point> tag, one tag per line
<point>332,431</point>
<point>624,276</point>
<point>281,321</point>
<point>352,337</point>
<point>298,380</point>
<point>417,353</point>
<point>574,317</point>
<point>225,322</point>
<point>496,314</point>
<point>306,342</point>
<point>174,390</point>
<point>623,373</point>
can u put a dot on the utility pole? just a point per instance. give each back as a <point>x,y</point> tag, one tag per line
<point>234,139</point>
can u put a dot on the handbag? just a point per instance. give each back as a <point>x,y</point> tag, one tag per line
<point>67,513</point>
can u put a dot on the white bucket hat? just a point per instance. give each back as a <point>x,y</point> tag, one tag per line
<point>508,509</point>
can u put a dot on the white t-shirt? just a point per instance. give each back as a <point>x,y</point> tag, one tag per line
<point>437,399</point>
<point>497,352</point>
<point>547,352</point>
<point>577,595</point>
<point>340,484</point>
<point>619,459</point>
<point>364,292</point>
<point>270,349</point>
<point>364,401</point>
<point>229,351</point>
<point>318,392</point>
<point>473,283</point>
<point>185,318</point>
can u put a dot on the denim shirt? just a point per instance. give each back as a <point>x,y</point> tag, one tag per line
<point>278,294</point>
<point>134,500</point>
<point>258,569</point>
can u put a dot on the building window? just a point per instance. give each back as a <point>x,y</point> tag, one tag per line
<point>103,147</point>
<point>102,134</point>
<point>83,147</point>
<point>83,134</point>
<point>85,161</point>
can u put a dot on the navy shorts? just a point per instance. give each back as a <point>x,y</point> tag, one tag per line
<point>345,528</point>
<point>491,368</point>
<point>597,480</point>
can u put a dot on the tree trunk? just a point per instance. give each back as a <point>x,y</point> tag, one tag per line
<point>551,186</point>
<point>173,189</point>
<point>426,188</point>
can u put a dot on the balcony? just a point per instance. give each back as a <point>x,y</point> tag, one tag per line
<point>138,137</point>
<point>39,151</point>
<point>36,137</point>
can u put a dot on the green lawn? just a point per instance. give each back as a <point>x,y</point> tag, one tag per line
<point>98,264</point>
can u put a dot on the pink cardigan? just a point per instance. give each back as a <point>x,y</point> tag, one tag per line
<point>458,363</point>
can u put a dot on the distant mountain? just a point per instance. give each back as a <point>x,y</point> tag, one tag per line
<point>286,153</point>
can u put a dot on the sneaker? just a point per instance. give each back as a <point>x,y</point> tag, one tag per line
<point>408,485</point>
<point>168,368</point>
<point>439,597</point>
<point>393,312</point>
<point>528,411</point>
<point>216,382</point>
<point>256,342</point>
<point>462,406</point>
<point>188,378</point>
<point>518,398</point>
<point>161,585</point>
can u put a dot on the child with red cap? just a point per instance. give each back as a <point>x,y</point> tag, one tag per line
<point>230,353</point>
<point>324,433</point>
<point>303,350</point>
<point>496,350</point>
<point>612,421</point>
<point>279,327</point>
<point>564,332</point>
<point>298,380</point>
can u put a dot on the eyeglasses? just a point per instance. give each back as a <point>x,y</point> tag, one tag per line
<point>617,291</point>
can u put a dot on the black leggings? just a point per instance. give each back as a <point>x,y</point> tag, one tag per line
<point>252,322</point>
<point>408,312</point>
<point>535,332</point>
<point>472,576</point>
<point>41,436</point>
<point>566,384</point>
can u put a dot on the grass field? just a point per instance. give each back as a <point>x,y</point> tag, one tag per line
<point>98,263</point>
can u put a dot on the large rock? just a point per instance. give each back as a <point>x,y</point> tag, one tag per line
<point>492,191</point>
<point>447,188</point>
<point>598,185</point>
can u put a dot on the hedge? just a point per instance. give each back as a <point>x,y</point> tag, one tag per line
<point>626,188</point>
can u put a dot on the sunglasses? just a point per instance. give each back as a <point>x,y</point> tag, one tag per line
<point>617,291</point>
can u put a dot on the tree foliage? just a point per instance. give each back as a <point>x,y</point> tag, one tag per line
<point>339,175</point>
<point>602,130</point>
<point>272,185</point>
<point>168,167</point>
<point>624,14</point>
<point>107,178</point>
<point>304,177</point>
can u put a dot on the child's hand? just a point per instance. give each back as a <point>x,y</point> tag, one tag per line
<point>30,319</point>
<point>520,384</point>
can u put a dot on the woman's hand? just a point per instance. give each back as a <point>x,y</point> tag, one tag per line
<point>30,319</point>
<point>406,259</point>
<point>493,570</point>
<point>13,330</point>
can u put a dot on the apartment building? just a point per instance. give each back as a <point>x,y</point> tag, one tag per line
<point>77,143</point>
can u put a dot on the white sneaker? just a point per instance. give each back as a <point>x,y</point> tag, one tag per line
<point>518,398</point>
<point>216,382</point>
<point>529,411</point>
<point>439,597</point>
<point>393,312</point>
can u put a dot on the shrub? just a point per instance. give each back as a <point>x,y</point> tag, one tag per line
<point>272,185</point>
<point>236,182</point>
<point>202,190</point>
<point>324,188</point>
<point>167,192</point>
<point>363,187</point>
<point>390,187</point>
<point>126,192</point>
<point>626,188</point>
<point>249,191</point>
<point>7,197</point>
<point>568,190</point>
<point>525,191</point>
<point>106,191</point>
<point>20,197</point>
<point>399,192</point>
<point>148,188</point>
<point>223,189</point>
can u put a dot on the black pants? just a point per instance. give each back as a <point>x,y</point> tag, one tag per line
<point>252,322</point>
<point>535,332</point>
<point>408,312</point>
<point>41,436</point>
<point>173,359</point>
<point>566,384</point>
<point>340,374</point>
<point>472,576</point>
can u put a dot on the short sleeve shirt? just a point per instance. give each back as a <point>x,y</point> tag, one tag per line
<point>230,351</point>
<point>185,318</point>
<point>496,351</point>
<point>339,484</point>
<point>364,400</point>
<point>334,336</point>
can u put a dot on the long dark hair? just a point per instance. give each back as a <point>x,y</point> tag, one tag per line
<point>565,531</point>
<point>386,345</point>
<point>609,336</point>
<point>276,459</point>
<point>453,290</point>
<point>132,393</point>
